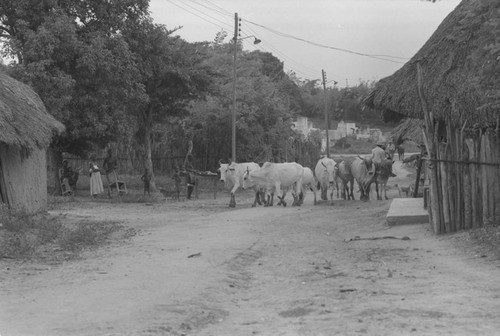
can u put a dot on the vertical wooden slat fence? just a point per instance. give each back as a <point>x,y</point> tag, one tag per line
<point>467,180</point>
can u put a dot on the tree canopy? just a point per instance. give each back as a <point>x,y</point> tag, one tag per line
<point>112,75</point>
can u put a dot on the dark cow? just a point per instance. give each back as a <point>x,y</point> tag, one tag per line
<point>345,175</point>
<point>383,170</point>
<point>363,171</point>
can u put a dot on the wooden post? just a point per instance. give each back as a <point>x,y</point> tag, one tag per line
<point>451,179</point>
<point>444,187</point>
<point>419,171</point>
<point>496,178</point>
<point>428,134</point>
<point>468,212</point>
<point>473,181</point>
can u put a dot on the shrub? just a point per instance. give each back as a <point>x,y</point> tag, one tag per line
<point>24,236</point>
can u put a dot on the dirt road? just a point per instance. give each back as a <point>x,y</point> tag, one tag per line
<point>200,268</point>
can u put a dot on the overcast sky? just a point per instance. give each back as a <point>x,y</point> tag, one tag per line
<point>394,28</point>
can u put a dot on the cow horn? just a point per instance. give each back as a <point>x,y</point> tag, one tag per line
<point>220,161</point>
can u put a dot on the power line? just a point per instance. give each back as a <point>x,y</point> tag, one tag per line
<point>379,57</point>
<point>217,10</point>
<point>283,56</point>
<point>220,8</point>
<point>204,19</point>
<point>223,25</point>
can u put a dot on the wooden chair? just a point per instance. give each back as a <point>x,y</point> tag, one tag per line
<point>115,184</point>
<point>65,187</point>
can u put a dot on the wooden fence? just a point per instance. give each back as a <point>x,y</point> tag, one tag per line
<point>161,165</point>
<point>465,171</point>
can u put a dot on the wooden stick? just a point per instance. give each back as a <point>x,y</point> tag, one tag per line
<point>444,188</point>
<point>428,133</point>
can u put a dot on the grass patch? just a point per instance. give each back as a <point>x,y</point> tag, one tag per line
<point>42,236</point>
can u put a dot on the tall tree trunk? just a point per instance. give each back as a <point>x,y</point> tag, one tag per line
<point>148,162</point>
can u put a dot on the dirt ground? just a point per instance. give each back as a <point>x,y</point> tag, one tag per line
<point>201,268</point>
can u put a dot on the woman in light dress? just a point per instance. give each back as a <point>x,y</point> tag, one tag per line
<point>96,186</point>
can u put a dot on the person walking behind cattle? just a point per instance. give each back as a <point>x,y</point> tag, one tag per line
<point>146,178</point>
<point>190,183</point>
<point>177,182</point>
<point>96,186</point>
<point>401,152</point>
<point>110,165</point>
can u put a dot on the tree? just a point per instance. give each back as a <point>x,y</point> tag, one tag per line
<point>73,55</point>
<point>172,74</point>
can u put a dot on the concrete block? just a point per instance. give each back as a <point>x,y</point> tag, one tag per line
<point>407,211</point>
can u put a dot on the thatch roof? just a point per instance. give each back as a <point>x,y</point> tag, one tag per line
<point>409,130</point>
<point>461,70</point>
<point>24,121</point>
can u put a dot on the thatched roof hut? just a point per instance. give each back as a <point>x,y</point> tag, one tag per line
<point>461,70</point>
<point>26,130</point>
<point>453,83</point>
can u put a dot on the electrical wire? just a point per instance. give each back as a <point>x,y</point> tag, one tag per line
<point>265,46</point>
<point>223,26</point>
<point>219,11</point>
<point>379,57</point>
<point>284,56</point>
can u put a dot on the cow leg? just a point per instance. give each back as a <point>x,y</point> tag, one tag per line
<point>379,195</point>
<point>324,193</point>
<point>298,199</point>
<point>256,200</point>
<point>351,192</point>
<point>314,192</point>
<point>384,186</point>
<point>270,199</point>
<point>232,201</point>
<point>282,199</point>
<point>343,192</point>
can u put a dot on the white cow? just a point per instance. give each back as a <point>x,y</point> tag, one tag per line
<point>326,174</point>
<point>232,175</point>
<point>309,182</point>
<point>274,176</point>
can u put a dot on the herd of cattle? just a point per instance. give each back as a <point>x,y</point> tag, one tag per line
<point>278,178</point>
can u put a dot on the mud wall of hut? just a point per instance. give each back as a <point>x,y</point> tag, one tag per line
<point>23,178</point>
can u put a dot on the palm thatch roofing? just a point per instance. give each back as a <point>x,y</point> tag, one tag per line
<point>409,130</point>
<point>24,121</point>
<point>461,70</point>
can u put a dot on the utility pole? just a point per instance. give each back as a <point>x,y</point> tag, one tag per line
<point>327,120</point>
<point>233,121</point>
